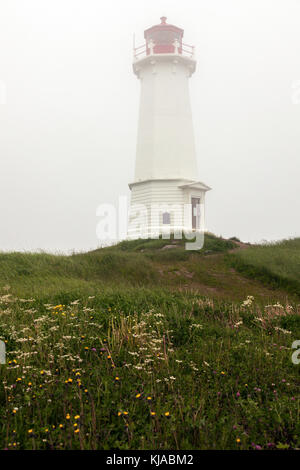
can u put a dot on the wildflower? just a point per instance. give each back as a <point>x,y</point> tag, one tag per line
<point>76,431</point>
<point>138,395</point>
<point>248,301</point>
<point>61,426</point>
<point>30,431</point>
<point>238,394</point>
<point>152,413</point>
<point>119,413</point>
<point>167,414</point>
<point>68,416</point>
<point>77,417</point>
<point>149,398</point>
<point>286,332</point>
<point>42,372</point>
<point>238,440</point>
<point>19,379</point>
<point>117,378</point>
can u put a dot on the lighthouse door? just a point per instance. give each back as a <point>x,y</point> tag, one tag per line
<point>195,212</point>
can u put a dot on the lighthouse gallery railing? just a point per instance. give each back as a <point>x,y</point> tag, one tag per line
<point>156,49</point>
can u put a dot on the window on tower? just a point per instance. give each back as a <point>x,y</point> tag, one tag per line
<point>166,218</point>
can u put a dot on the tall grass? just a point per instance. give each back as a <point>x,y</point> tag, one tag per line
<point>130,263</point>
<point>147,370</point>
<point>109,350</point>
<point>276,264</point>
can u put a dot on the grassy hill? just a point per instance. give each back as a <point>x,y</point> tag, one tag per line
<point>145,345</point>
<point>274,264</point>
<point>154,264</point>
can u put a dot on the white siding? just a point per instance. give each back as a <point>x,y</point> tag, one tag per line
<point>169,196</point>
<point>165,143</point>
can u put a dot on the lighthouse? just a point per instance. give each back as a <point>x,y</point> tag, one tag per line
<point>166,194</point>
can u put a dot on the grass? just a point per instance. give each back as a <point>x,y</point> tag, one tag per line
<point>135,347</point>
<point>275,264</point>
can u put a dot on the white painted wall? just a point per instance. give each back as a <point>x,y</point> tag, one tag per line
<point>165,143</point>
<point>165,156</point>
<point>170,196</point>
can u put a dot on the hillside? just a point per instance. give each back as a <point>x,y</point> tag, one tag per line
<point>153,264</point>
<point>274,264</point>
<point>147,346</point>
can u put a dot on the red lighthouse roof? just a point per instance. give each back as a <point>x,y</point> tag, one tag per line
<point>163,36</point>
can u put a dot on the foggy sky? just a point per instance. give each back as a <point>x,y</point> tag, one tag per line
<point>69,124</point>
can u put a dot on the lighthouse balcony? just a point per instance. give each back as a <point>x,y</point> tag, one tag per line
<point>152,56</point>
<point>153,49</point>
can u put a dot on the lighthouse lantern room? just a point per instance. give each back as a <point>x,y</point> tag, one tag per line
<point>166,174</point>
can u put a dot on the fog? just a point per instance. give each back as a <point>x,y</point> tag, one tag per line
<point>69,110</point>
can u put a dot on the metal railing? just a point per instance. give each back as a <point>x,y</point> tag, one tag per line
<point>145,50</point>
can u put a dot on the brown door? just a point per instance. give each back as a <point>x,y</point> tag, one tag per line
<point>195,212</point>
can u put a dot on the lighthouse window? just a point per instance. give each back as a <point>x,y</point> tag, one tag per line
<point>165,37</point>
<point>166,218</point>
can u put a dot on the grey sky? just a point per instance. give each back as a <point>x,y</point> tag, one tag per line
<point>68,127</point>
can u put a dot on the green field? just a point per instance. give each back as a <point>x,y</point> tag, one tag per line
<point>274,264</point>
<point>139,346</point>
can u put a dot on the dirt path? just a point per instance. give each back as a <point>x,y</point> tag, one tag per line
<point>240,246</point>
<point>211,276</point>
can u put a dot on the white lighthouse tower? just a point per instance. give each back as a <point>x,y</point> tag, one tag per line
<point>166,192</point>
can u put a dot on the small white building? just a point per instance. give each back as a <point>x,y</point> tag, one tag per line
<point>165,193</point>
